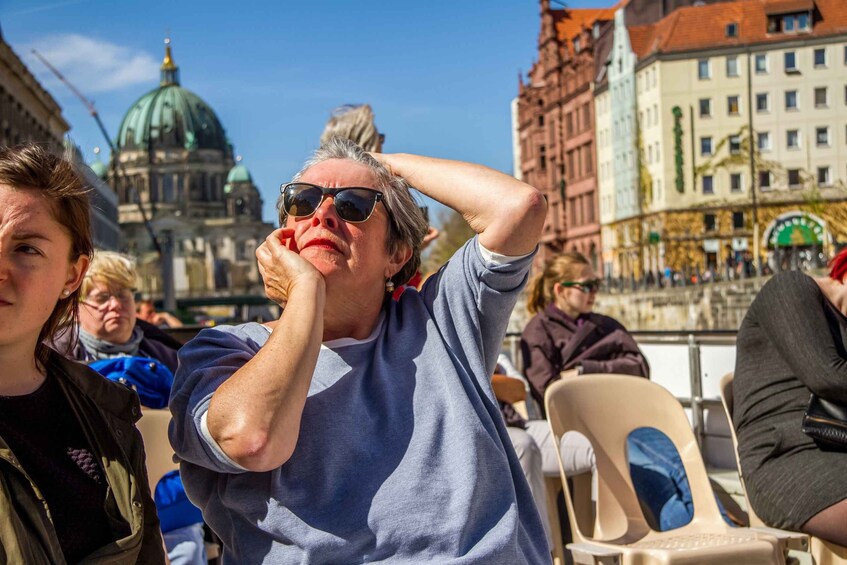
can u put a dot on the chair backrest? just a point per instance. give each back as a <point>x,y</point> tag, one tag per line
<point>606,408</point>
<point>727,400</point>
<point>153,426</point>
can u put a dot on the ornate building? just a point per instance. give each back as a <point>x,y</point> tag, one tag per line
<point>555,129</point>
<point>27,111</point>
<point>176,178</point>
<point>737,138</point>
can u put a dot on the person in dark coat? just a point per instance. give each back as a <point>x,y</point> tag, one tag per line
<point>73,481</point>
<point>792,343</point>
<point>566,336</point>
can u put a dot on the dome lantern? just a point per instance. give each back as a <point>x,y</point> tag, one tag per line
<point>169,70</point>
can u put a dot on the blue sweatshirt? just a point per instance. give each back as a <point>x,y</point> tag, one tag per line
<point>402,457</point>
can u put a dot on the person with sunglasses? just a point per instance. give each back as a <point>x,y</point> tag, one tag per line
<point>567,338</point>
<point>358,428</point>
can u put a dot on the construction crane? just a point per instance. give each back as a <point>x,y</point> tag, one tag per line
<point>93,111</point>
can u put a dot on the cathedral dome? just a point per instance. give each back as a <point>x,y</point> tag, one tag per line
<point>171,117</point>
<point>99,168</point>
<point>239,173</point>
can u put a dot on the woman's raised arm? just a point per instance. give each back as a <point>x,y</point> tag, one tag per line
<point>507,214</point>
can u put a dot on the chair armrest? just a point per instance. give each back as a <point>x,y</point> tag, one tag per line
<point>591,554</point>
<point>787,539</point>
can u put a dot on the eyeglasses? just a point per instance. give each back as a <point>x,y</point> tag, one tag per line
<point>585,286</point>
<point>99,300</point>
<point>353,204</point>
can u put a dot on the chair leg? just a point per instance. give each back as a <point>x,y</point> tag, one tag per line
<point>553,486</point>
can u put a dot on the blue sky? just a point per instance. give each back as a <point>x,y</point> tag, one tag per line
<point>439,75</point>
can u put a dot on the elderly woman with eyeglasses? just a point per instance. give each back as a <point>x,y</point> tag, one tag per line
<point>357,428</point>
<point>108,324</point>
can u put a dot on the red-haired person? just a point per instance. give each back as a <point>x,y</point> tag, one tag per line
<point>73,482</point>
<point>792,343</point>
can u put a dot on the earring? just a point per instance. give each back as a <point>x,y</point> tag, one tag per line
<point>66,293</point>
<point>389,286</point>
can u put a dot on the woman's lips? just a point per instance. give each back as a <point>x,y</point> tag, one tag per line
<point>322,243</point>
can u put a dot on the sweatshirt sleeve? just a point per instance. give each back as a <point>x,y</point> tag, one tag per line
<point>205,363</point>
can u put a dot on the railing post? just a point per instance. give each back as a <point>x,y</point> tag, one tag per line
<point>695,379</point>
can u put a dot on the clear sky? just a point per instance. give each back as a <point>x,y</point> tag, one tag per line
<point>439,75</point>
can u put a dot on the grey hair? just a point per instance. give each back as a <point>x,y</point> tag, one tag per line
<point>354,122</point>
<point>406,222</point>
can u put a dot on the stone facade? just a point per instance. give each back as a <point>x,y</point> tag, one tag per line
<point>27,111</point>
<point>555,129</point>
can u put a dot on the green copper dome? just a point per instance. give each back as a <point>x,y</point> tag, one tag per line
<point>171,117</point>
<point>99,168</point>
<point>239,173</point>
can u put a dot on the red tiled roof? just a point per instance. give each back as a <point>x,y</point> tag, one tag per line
<point>570,22</point>
<point>702,27</point>
<point>788,6</point>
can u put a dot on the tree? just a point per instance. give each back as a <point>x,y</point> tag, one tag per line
<point>455,231</point>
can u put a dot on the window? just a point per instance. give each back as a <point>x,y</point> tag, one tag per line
<point>822,136</point>
<point>791,62</point>
<point>821,98</point>
<point>540,120</point>
<point>705,107</point>
<point>820,57</point>
<point>542,158</point>
<point>763,139</point>
<point>704,70</point>
<point>762,64</point>
<point>732,66</point>
<point>763,102</point>
<point>823,176</point>
<point>764,180</point>
<point>710,222</point>
<point>794,177</point>
<point>790,99</point>
<point>792,23</point>
<point>734,144</point>
<point>738,220</point>
<point>792,138</point>
<point>735,182</point>
<point>705,146</point>
<point>732,105</point>
<point>732,30</point>
<point>708,184</point>
<point>576,45</point>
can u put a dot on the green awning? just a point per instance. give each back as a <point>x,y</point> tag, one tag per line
<point>796,231</point>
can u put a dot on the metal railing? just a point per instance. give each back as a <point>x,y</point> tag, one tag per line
<point>695,341</point>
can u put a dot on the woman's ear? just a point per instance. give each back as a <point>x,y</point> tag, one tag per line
<point>397,259</point>
<point>76,272</point>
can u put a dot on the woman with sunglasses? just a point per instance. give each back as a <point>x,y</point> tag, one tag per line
<point>567,336</point>
<point>357,428</point>
<point>73,483</point>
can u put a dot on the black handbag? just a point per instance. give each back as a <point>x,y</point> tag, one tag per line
<point>826,423</point>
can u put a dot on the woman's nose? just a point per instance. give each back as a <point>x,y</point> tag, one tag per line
<point>325,214</point>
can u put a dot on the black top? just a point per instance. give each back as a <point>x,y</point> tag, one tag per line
<point>51,446</point>
<point>792,342</point>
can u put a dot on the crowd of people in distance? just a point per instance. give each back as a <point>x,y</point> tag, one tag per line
<point>364,424</point>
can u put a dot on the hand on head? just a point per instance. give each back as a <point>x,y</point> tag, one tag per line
<point>281,266</point>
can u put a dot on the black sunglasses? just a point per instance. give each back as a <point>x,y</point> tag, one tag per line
<point>585,286</point>
<point>352,204</point>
